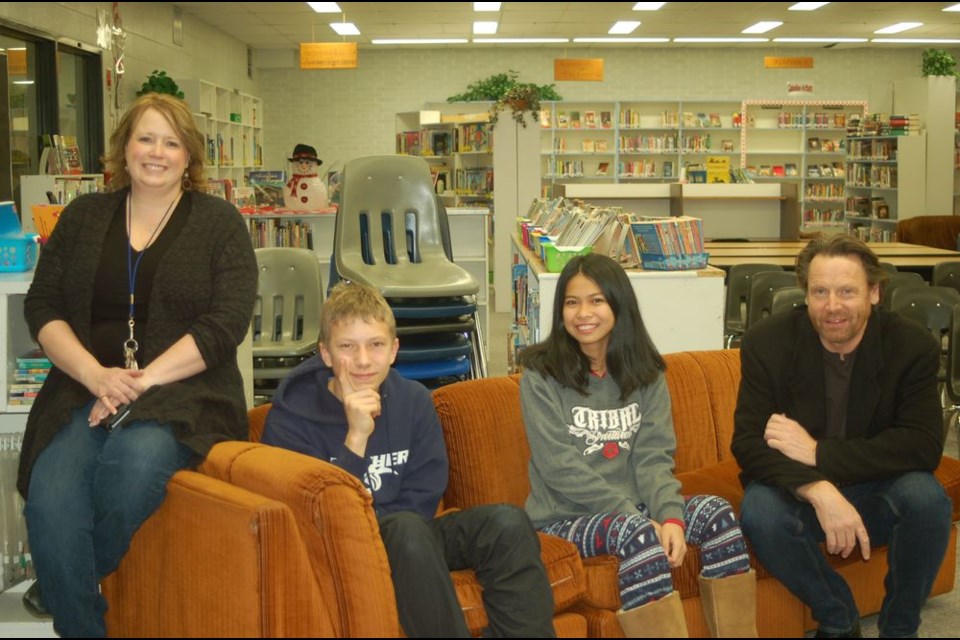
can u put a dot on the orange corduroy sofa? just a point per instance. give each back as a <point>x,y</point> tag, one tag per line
<point>265,542</point>
<point>488,451</point>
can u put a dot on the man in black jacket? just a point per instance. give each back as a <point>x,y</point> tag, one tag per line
<point>837,431</point>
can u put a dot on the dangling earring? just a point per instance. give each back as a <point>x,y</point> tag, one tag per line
<point>186,184</point>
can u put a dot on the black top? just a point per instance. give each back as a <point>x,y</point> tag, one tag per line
<point>111,294</point>
<point>836,374</point>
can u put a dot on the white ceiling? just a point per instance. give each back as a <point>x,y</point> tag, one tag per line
<point>283,25</point>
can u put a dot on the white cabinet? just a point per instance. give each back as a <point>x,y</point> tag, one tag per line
<point>16,342</point>
<point>682,310</point>
<point>232,125</point>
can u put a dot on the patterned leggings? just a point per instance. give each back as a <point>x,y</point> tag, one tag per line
<point>644,572</point>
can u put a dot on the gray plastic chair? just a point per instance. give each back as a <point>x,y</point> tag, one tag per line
<point>946,274</point>
<point>901,279</point>
<point>764,285</point>
<point>952,412</point>
<point>286,316</point>
<point>787,299</point>
<point>389,233</point>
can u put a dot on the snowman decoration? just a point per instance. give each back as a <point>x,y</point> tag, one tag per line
<point>305,190</point>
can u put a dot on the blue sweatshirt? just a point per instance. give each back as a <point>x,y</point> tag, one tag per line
<point>405,466</point>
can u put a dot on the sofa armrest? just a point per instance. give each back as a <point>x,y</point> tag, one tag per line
<point>215,561</point>
<point>336,522</point>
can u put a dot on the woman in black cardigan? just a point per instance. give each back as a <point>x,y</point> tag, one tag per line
<point>140,299</point>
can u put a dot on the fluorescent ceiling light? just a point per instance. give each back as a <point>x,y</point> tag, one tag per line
<point>621,40</point>
<point>916,41</point>
<point>520,40</point>
<point>806,6</point>
<point>900,26</point>
<point>953,7</point>
<point>487,28</point>
<point>821,40</point>
<point>23,82</point>
<point>762,27</point>
<point>486,6</point>
<point>624,27</point>
<point>721,39</point>
<point>345,28</point>
<point>325,7</point>
<point>421,41</point>
<point>16,48</point>
<point>648,6</point>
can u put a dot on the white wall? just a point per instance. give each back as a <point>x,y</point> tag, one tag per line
<point>348,113</point>
<point>206,52</point>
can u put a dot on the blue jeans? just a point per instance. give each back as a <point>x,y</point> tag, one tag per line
<point>89,493</point>
<point>910,513</point>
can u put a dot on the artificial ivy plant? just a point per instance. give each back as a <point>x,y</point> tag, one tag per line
<point>160,82</point>
<point>938,62</point>
<point>504,91</point>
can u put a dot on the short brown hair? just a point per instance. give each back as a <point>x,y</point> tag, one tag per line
<point>841,245</point>
<point>350,301</point>
<point>177,113</point>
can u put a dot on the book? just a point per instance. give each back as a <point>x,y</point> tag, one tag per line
<point>441,143</point>
<point>790,169</point>
<point>606,120</point>
<point>563,121</point>
<point>726,145</point>
<point>268,189</point>
<point>667,168</point>
<point>602,168</point>
<point>715,120</point>
<point>778,170</point>
<point>245,200</point>
<point>545,118</point>
<point>813,144</point>
<point>575,120</point>
<point>589,119</point>
<point>600,146</point>
<point>588,146</point>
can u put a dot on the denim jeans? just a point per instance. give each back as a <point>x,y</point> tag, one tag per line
<point>89,493</point>
<point>910,513</point>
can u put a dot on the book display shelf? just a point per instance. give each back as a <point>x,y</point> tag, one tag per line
<point>459,150</point>
<point>34,189</point>
<point>232,125</point>
<point>885,177</point>
<point>802,142</point>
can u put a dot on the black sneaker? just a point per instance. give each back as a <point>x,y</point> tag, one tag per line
<point>853,633</point>
<point>33,602</point>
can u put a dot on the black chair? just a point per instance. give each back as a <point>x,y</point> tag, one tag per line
<point>787,299</point>
<point>946,274</point>
<point>889,268</point>
<point>764,285</point>
<point>897,280</point>
<point>738,292</point>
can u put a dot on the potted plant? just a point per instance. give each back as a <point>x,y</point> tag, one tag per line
<point>938,62</point>
<point>504,91</point>
<point>160,82</point>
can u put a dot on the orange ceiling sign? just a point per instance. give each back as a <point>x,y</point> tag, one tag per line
<point>328,55</point>
<point>17,62</point>
<point>773,62</point>
<point>578,69</point>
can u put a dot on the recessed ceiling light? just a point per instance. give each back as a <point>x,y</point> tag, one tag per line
<point>325,7</point>
<point>520,40</point>
<point>696,40</point>
<point>806,6</point>
<point>485,28</point>
<point>648,6</point>
<point>762,27</point>
<point>345,28</point>
<point>624,27</point>
<point>486,6</point>
<point>821,40</point>
<point>623,40</point>
<point>421,41</point>
<point>900,26</point>
<point>915,41</point>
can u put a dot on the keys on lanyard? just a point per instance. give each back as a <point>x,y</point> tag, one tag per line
<point>130,347</point>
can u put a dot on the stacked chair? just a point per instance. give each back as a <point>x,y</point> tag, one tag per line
<point>286,316</point>
<point>738,294</point>
<point>787,299</point>
<point>897,281</point>
<point>762,288</point>
<point>392,234</point>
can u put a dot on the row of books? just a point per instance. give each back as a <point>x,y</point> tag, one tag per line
<point>822,191</point>
<point>280,233</point>
<point>873,234</point>
<point>31,370</point>
<point>576,120</point>
<point>876,177</point>
<point>825,145</point>
<point>832,214</point>
<point>220,151</point>
<point>659,143</point>
<point>464,138</point>
<point>882,124</point>
<point>60,155</point>
<point>816,120</point>
<point>867,207</point>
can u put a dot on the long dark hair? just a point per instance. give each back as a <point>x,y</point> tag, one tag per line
<point>632,359</point>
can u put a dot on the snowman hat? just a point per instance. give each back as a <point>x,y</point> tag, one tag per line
<point>305,152</point>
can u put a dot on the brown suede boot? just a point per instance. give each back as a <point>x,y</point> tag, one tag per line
<point>661,618</point>
<point>730,605</point>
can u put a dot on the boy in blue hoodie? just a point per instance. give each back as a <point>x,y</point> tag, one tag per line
<point>348,407</point>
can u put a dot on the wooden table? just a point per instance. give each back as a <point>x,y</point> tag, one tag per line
<point>784,253</point>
